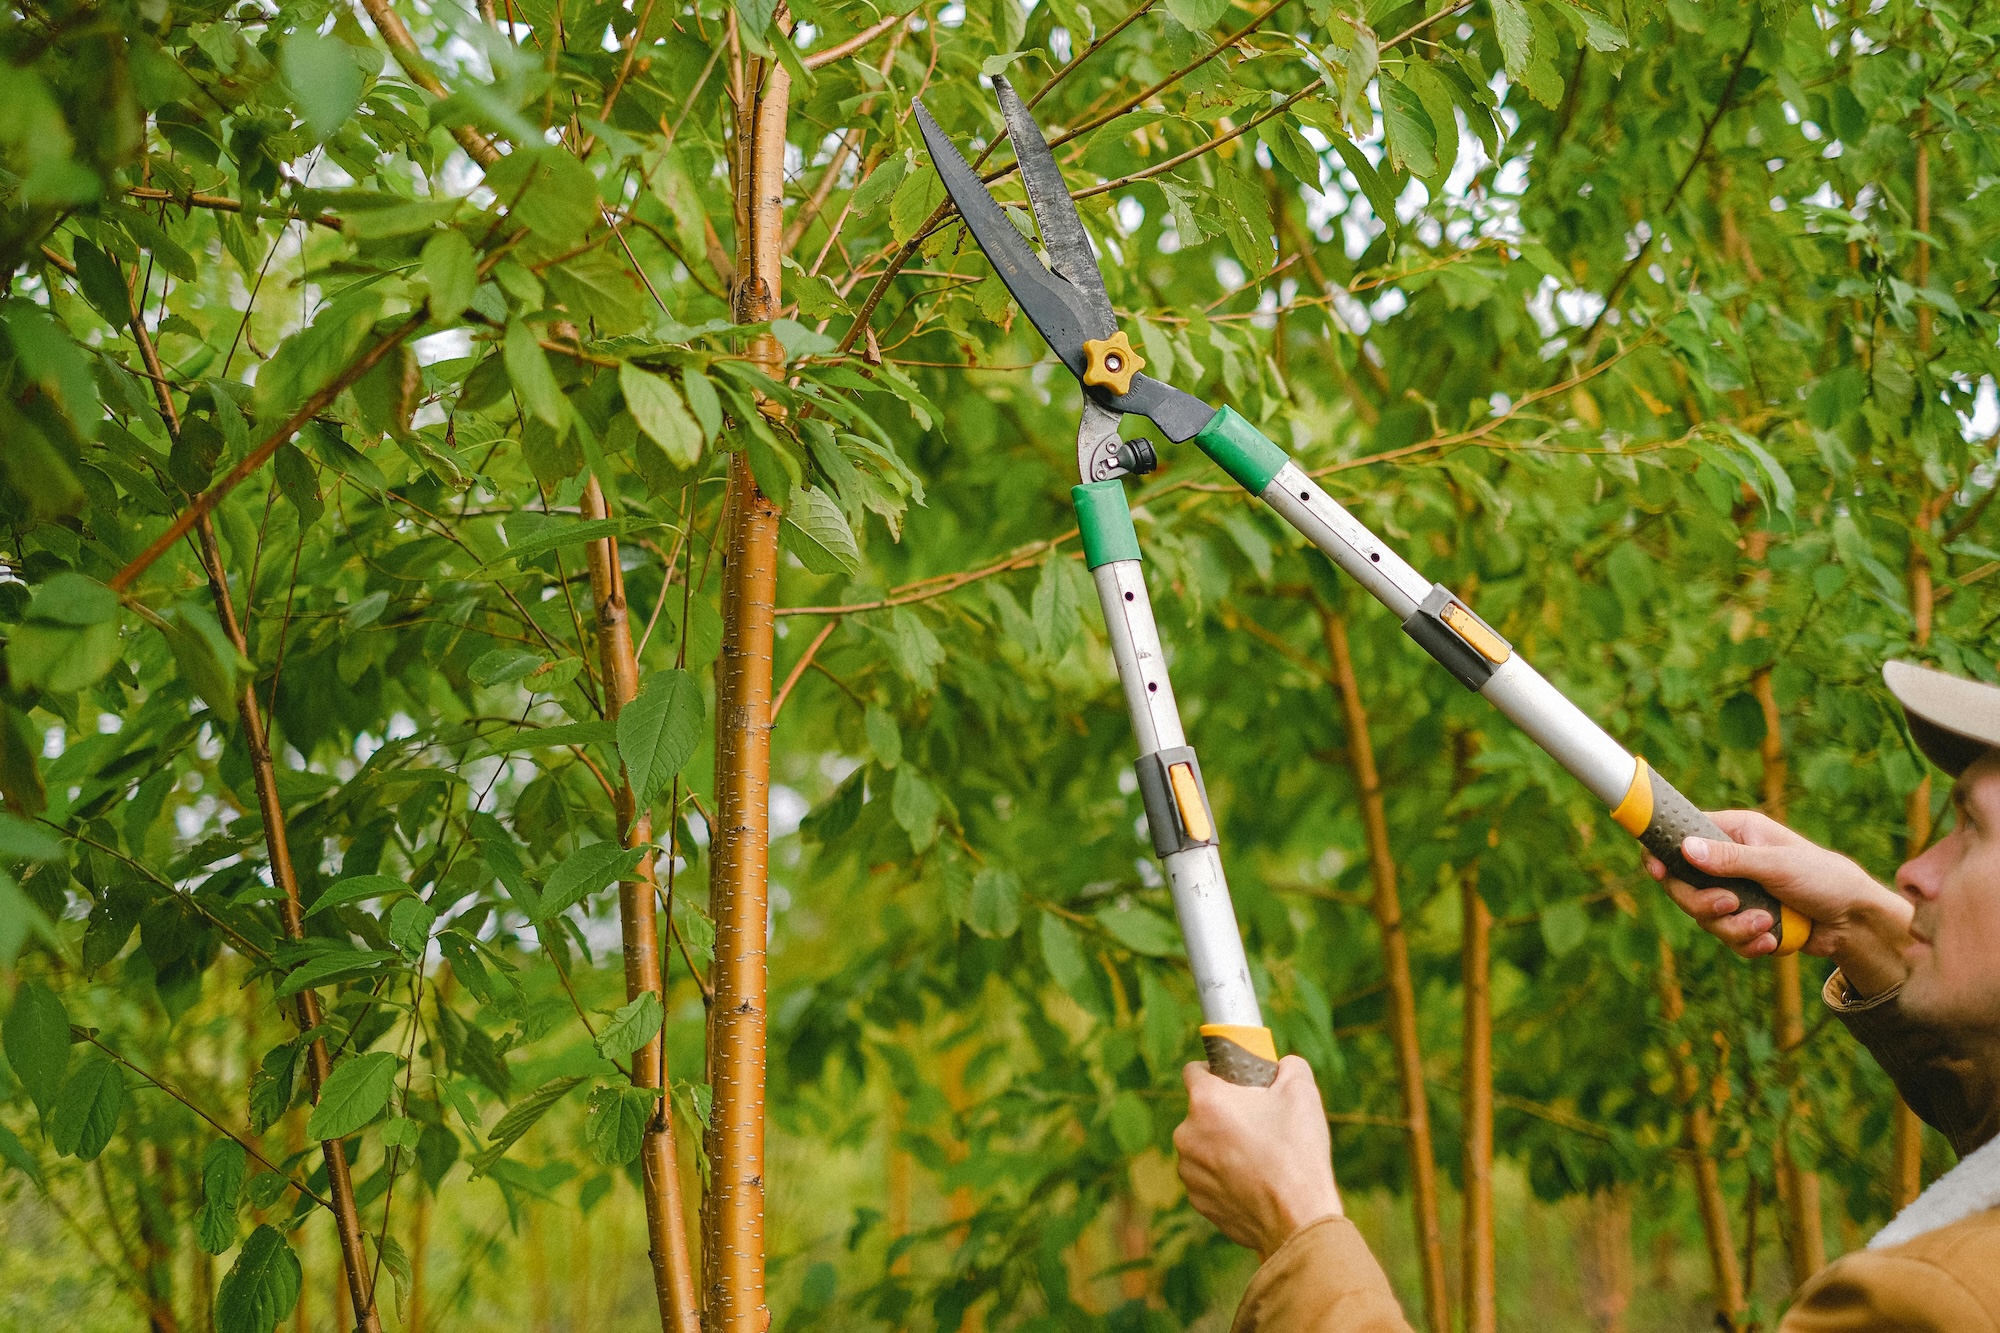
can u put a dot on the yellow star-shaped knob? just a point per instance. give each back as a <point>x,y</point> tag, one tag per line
<point>1112,363</point>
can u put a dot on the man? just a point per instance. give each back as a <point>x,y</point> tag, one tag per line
<point>1917,982</point>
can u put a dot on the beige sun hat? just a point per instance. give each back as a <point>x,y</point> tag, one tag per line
<point>1952,720</point>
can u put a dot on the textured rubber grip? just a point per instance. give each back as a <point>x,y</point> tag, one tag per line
<point>1233,1064</point>
<point>1675,819</point>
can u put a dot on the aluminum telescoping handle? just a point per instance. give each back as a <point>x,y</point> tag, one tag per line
<point>1238,1045</point>
<point>1642,802</point>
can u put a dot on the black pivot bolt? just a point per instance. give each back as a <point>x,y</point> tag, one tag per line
<point>1137,456</point>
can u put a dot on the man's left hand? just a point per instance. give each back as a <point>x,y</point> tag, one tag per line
<point>1257,1162</point>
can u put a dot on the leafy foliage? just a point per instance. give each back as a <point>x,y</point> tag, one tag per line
<point>1627,321</point>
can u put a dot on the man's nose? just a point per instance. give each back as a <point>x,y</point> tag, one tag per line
<point>1920,877</point>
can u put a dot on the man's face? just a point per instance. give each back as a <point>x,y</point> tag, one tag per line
<point>1955,886</point>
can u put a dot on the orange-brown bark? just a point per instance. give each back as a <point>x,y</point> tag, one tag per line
<point>1388,910</point>
<point>638,917</point>
<point>1727,1278</point>
<point>1478,1289</point>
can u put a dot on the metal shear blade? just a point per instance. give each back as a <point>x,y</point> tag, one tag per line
<point>1070,304</point>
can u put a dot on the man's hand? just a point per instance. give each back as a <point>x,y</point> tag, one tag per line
<point>1257,1162</point>
<point>1859,924</point>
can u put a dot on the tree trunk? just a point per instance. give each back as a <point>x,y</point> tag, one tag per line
<point>638,916</point>
<point>1798,1188</point>
<point>1402,991</point>
<point>1476,1233</point>
<point>733,1216</point>
<point>153,1200</point>
<point>355,1265</point>
<point>1906,1173</point>
<point>1700,1139</point>
<point>1606,1258</point>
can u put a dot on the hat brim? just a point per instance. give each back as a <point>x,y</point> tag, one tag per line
<point>1952,720</point>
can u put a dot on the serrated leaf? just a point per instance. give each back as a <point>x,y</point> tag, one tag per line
<point>1141,930</point>
<point>528,370</point>
<point>520,1118</point>
<point>703,401</point>
<point>502,665</point>
<point>261,1287</point>
<point>547,191</point>
<point>325,81</point>
<point>353,1095</point>
<point>1516,34</point>
<point>656,405</point>
<point>631,1027</point>
<point>914,802</point>
<point>915,200</point>
<point>329,968</point>
<point>994,909</point>
<point>1197,15</point>
<point>450,269</point>
<point>585,871</point>
<point>1407,129</point>
<point>614,1122</point>
<point>816,532</point>
<point>223,1167</point>
<point>36,1034</point>
<point>356,888</point>
<point>86,1111</point>
<point>409,928</point>
<point>659,730</point>
<point>1056,608</point>
<point>881,183</point>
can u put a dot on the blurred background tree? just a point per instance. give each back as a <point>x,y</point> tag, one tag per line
<point>532,543</point>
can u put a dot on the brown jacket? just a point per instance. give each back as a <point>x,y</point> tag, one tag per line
<point>1324,1280</point>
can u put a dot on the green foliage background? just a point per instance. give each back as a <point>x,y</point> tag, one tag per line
<point>1394,255</point>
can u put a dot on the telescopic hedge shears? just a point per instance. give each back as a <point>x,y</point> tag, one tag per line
<point>1067,302</point>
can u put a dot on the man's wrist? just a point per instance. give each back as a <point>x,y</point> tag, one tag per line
<point>1870,948</point>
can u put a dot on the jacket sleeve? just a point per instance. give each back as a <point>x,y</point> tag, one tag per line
<point>1873,1291</point>
<point>1322,1280</point>
<point>1949,1088</point>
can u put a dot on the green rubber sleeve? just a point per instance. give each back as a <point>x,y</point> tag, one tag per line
<point>1241,450</point>
<point>1105,520</point>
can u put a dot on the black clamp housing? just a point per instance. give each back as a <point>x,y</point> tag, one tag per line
<point>1431,626</point>
<point>1163,812</point>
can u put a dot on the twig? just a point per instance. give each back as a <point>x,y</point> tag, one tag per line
<point>799,668</point>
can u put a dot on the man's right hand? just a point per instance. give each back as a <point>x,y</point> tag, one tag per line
<point>1861,925</point>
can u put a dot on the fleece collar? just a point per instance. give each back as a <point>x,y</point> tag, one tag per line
<point>1971,1187</point>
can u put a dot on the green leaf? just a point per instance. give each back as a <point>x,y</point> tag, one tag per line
<point>326,82</point>
<point>1131,1123</point>
<point>995,908</point>
<point>1434,92</point>
<point>500,666</point>
<point>356,888</point>
<point>547,191</point>
<point>755,15</point>
<point>1197,15</point>
<point>528,369</point>
<point>885,738</point>
<point>520,1118</point>
<point>657,407</point>
<point>1141,930</point>
<point>1062,954</point>
<point>1565,925</point>
<point>450,269</point>
<point>86,1112</point>
<point>15,1153</point>
<point>409,928</point>
<point>223,1167</point>
<point>1407,129</point>
<point>703,401</point>
<point>868,196</point>
<point>631,1027</point>
<point>915,200</point>
<point>914,802</point>
<point>36,1033</point>
<point>816,532</point>
<point>659,730</point>
<point>1057,610</point>
<point>60,658</point>
<point>614,1122</point>
<point>261,1287</point>
<point>1379,197</point>
<point>1515,33</point>
<point>103,285</point>
<point>329,968</point>
<point>20,840</point>
<point>353,1095</point>
<point>599,288</point>
<point>585,871</point>
<point>531,535</point>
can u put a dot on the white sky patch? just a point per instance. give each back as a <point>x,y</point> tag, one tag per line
<point>1984,419</point>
